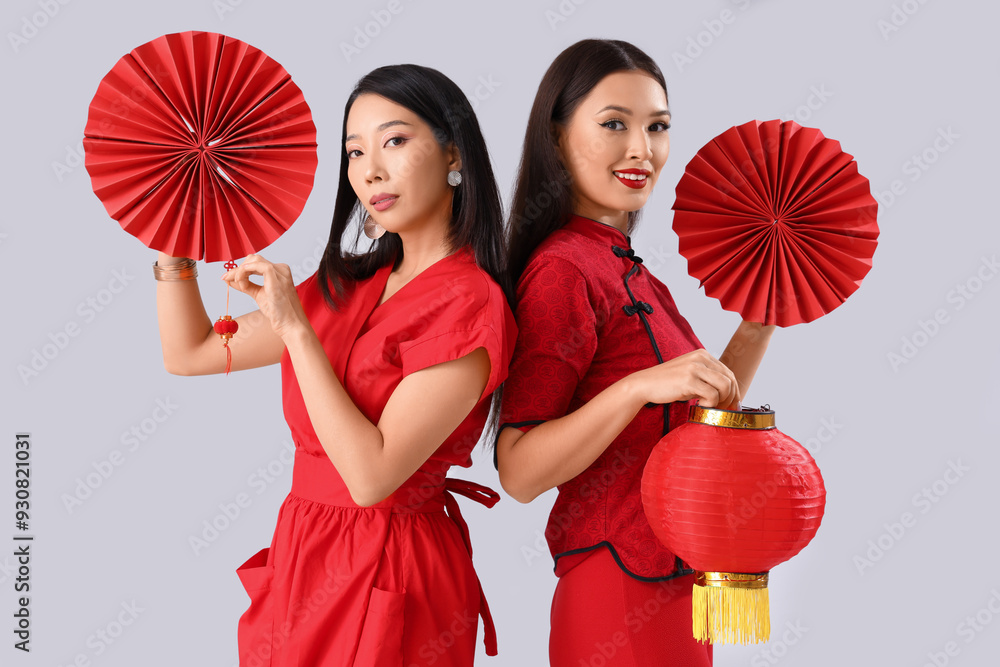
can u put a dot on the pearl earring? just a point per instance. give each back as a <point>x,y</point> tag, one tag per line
<point>454,178</point>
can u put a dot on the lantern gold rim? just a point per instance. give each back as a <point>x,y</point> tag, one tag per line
<point>742,419</point>
<point>731,579</point>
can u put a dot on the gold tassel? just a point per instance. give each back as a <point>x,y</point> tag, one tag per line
<point>730,608</point>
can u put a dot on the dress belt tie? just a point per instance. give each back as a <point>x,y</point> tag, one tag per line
<point>315,478</point>
<point>484,496</point>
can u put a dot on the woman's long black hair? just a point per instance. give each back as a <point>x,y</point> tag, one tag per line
<point>477,216</point>
<point>476,213</point>
<point>543,194</point>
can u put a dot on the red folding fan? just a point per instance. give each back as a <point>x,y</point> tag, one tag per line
<point>201,146</point>
<point>776,222</point>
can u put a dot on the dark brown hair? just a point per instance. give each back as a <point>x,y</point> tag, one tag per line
<point>543,193</point>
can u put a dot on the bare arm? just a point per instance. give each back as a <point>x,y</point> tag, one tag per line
<point>191,346</point>
<point>373,459</point>
<point>560,449</point>
<point>744,353</point>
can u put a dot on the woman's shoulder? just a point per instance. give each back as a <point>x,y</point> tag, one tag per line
<point>457,301</point>
<point>463,277</point>
<point>559,254</point>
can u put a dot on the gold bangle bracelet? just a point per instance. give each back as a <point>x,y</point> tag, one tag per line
<point>186,269</point>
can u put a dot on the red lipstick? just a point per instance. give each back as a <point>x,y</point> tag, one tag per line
<point>636,183</point>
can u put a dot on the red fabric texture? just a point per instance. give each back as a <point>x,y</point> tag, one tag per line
<point>390,584</point>
<point>601,617</point>
<point>575,340</point>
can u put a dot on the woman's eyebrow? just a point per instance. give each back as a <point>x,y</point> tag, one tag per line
<point>615,107</point>
<point>383,126</point>
<point>628,112</point>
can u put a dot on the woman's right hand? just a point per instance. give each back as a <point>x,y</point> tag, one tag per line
<point>696,374</point>
<point>560,449</point>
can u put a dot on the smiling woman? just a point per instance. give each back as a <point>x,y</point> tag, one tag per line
<point>616,142</point>
<point>604,363</point>
<point>370,562</point>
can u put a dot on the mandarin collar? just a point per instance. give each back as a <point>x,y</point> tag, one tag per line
<point>598,231</point>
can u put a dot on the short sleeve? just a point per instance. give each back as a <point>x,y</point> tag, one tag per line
<point>451,322</point>
<point>557,339</point>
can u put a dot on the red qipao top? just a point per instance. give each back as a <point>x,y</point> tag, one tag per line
<point>588,314</point>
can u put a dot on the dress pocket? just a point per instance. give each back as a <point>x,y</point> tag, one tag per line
<point>381,643</point>
<point>255,630</point>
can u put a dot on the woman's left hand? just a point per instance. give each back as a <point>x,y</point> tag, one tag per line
<point>276,298</point>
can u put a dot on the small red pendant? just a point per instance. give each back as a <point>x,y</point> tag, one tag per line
<point>226,327</point>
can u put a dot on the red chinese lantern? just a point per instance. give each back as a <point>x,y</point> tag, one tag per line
<point>733,496</point>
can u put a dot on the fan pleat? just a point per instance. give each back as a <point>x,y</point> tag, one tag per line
<point>776,222</point>
<point>201,146</point>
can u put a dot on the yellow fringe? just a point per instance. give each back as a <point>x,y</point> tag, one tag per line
<point>731,615</point>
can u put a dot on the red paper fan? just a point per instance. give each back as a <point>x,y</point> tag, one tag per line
<point>776,222</point>
<point>201,146</point>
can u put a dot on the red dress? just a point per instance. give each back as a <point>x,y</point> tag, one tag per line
<point>391,584</point>
<point>589,313</point>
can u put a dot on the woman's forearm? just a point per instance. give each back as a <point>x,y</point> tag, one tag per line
<point>374,460</point>
<point>559,450</point>
<point>184,324</point>
<point>745,352</point>
<point>335,417</point>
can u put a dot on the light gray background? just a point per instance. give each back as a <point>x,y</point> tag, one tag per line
<point>881,433</point>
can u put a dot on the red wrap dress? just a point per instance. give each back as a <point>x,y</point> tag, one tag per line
<point>391,584</point>
<point>589,313</point>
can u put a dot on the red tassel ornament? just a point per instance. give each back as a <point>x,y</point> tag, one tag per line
<point>226,327</point>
